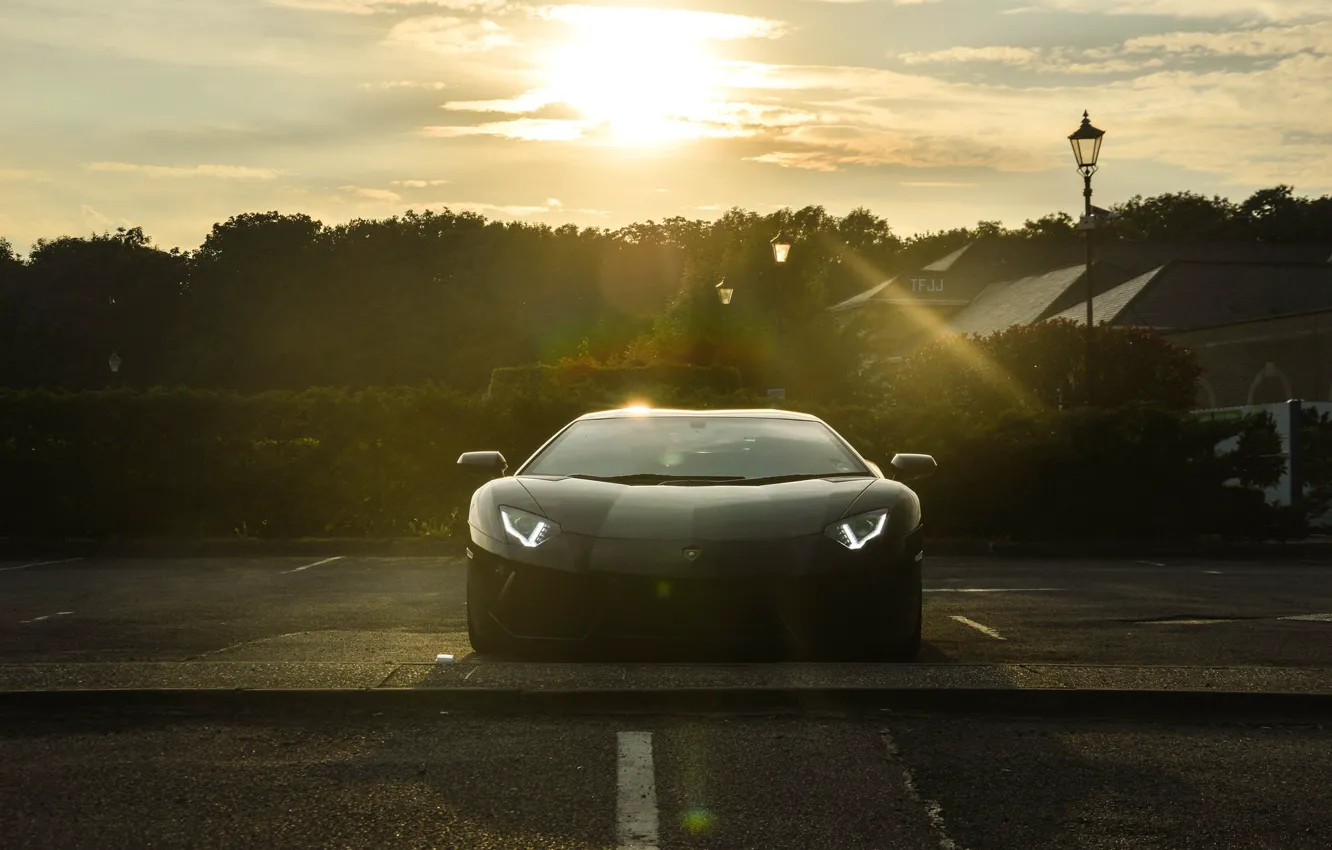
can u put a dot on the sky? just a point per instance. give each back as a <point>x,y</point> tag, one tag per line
<point>176,114</point>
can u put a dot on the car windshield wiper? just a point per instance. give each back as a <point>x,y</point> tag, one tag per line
<point>809,476</point>
<point>653,478</point>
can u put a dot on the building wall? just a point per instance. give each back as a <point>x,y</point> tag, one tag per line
<point>1264,362</point>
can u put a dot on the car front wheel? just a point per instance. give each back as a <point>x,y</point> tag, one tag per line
<point>485,634</point>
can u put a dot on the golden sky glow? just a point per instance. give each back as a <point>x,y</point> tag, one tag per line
<point>932,113</point>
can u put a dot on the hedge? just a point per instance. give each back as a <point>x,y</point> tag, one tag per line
<point>382,462</point>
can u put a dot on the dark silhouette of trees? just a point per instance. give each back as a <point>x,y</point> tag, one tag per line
<point>282,301</point>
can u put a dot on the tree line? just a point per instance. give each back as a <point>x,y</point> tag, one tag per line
<point>275,301</point>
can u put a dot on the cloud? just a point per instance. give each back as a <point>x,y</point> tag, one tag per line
<point>523,129</point>
<point>390,85</point>
<point>370,7</point>
<point>449,35</point>
<point>1267,41</point>
<point>417,184</point>
<point>913,2</point>
<point>528,101</point>
<point>222,172</point>
<point>381,195</point>
<point>1004,55</point>
<point>1281,11</point>
<point>937,184</point>
<point>23,175</point>
<point>552,206</point>
<point>667,24</point>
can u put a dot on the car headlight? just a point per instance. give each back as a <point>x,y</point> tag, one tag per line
<point>855,532</point>
<point>527,529</point>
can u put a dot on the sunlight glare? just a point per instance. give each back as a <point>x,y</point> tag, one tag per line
<point>644,74</point>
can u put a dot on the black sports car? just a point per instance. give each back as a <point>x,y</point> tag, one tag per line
<point>684,524</point>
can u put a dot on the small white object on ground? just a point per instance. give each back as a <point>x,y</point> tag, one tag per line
<point>443,659</point>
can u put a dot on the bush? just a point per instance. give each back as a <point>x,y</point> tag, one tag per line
<point>382,462</point>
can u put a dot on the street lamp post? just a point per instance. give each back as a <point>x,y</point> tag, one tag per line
<point>724,292</point>
<point>114,362</point>
<point>1086,142</point>
<point>781,251</point>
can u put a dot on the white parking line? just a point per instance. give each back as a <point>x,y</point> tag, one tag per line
<point>980,627</point>
<point>315,564</point>
<point>636,801</point>
<point>933,811</point>
<point>39,564</point>
<point>47,617</point>
<point>993,589</point>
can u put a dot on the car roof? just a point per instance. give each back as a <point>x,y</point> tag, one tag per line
<point>656,412</point>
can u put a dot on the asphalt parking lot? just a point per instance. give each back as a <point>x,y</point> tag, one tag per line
<point>406,610</point>
<point>768,783</point>
<point>105,777</point>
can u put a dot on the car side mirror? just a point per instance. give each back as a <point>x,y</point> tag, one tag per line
<point>492,462</point>
<point>913,467</point>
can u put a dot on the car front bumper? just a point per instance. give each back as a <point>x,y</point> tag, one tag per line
<point>710,599</point>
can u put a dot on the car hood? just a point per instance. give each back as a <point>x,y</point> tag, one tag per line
<point>704,512</point>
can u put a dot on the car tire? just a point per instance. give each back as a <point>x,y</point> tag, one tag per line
<point>906,649</point>
<point>486,635</point>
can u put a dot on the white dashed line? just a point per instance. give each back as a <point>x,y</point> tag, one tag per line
<point>39,564</point>
<point>47,617</point>
<point>1212,572</point>
<point>636,801</point>
<point>980,627</point>
<point>1310,618</point>
<point>933,811</point>
<point>993,589</point>
<point>315,564</point>
<point>1150,563</point>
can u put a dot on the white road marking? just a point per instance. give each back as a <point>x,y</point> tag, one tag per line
<point>993,589</point>
<point>1310,618</point>
<point>39,564</point>
<point>1212,572</point>
<point>980,627</point>
<point>315,564</point>
<point>1151,563</point>
<point>47,617</point>
<point>636,800</point>
<point>933,811</point>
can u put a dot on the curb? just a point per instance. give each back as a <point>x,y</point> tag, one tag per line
<point>1315,551</point>
<point>1122,704</point>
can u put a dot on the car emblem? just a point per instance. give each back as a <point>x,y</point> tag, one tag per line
<point>691,554</point>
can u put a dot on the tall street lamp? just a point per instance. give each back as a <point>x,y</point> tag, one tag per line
<point>1086,142</point>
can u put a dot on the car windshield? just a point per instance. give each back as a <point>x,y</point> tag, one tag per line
<point>671,447</point>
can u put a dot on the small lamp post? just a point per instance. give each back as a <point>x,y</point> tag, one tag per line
<point>724,292</point>
<point>1086,142</point>
<point>781,247</point>
<point>114,362</point>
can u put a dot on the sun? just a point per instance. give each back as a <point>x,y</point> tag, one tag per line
<point>644,76</point>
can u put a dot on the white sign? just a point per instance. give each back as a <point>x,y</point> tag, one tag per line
<point>927,284</point>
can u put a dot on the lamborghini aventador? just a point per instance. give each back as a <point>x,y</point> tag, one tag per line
<point>761,525</point>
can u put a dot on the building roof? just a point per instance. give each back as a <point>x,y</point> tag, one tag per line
<point>961,276</point>
<point>1111,305</point>
<point>1015,302</point>
<point>1190,295</point>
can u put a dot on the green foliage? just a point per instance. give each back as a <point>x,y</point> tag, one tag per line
<point>282,301</point>
<point>383,462</point>
<point>1043,366</point>
<point>588,381</point>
